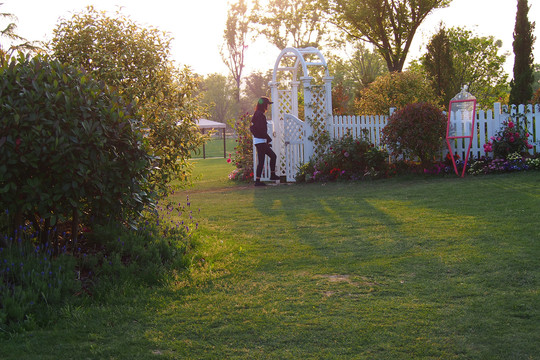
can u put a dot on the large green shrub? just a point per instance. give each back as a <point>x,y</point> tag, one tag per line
<point>135,60</point>
<point>69,147</point>
<point>395,90</point>
<point>417,130</point>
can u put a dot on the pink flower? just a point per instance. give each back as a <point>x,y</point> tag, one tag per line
<point>529,146</point>
<point>346,154</point>
<point>511,139</point>
<point>510,124</point>
<point>229,160</point>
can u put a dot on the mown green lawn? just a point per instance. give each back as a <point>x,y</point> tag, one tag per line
<point>415,268</point>
<point>214,148</point>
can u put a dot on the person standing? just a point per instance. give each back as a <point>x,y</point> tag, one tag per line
<point>261,139</point>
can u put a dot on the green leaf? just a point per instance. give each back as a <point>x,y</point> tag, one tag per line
<point>4,189</point>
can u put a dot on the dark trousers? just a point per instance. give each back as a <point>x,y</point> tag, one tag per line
<point>262,150</point>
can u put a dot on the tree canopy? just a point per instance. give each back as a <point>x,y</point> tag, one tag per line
<point>395,89</point>
<point>9,32</point>
<point>439,64</point>
<point>135,61</point>
<point>352,74</point>
<point>256,86</point>
<point>217,93</point>
<point>457,57</point>
<point>296,23</point>
<point>477,63</point>
<point>235,42</point>
<point>390,25</point>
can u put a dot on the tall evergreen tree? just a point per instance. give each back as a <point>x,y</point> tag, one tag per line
<point>439,63</point>
<point>521,85</point>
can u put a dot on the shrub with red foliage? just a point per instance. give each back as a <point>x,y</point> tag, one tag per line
<point>417,130</point>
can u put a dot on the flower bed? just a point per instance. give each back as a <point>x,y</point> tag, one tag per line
<point>346,159</point>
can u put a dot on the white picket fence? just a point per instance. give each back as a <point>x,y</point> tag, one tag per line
<point>487,124</point>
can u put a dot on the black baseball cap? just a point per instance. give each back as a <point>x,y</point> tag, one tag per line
<point>264,100</point>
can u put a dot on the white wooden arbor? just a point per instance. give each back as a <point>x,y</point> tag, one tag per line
<point>296,138</point>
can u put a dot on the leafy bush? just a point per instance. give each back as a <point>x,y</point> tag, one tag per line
<point>513,137</point>
<point>69,147</point>
<point>395,90</point>
<point>536,97</point>
<point>417,130</point>
<point>136,61</point>
<point>348,159</point>
<point>243,155</point>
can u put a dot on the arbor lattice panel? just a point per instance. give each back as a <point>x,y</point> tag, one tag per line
<point>318,122</point>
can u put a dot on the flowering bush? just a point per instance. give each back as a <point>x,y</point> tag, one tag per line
<point>513,162</point>
<point>348,159</point>
<point>241,175</point>
<point>446,167</point>
<point>511,138</point>
<point>243,156</point>
<point>417,130</point>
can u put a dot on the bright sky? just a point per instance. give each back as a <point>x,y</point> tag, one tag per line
<point>197,26</point>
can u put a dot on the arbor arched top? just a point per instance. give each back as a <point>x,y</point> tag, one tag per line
<point>304,57</point>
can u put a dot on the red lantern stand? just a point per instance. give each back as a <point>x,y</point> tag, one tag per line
<point>460,126</point>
